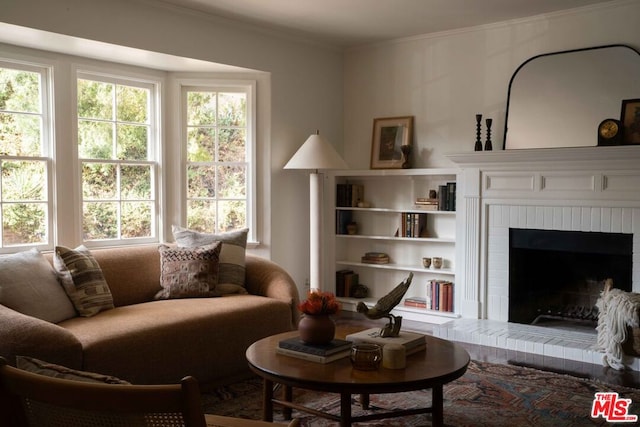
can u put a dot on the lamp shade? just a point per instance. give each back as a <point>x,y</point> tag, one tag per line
<point>316,153</point>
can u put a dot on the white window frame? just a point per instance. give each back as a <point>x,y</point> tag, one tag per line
<point>221,85</point>
<point>154,85</point>
<point>47,148</point>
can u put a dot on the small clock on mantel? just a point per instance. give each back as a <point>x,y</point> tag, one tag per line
<point>609,132</point>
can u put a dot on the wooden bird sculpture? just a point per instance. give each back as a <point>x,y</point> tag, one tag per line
<point>384,306</point>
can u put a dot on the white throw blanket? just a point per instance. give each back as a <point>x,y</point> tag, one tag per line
<point>617,310</point>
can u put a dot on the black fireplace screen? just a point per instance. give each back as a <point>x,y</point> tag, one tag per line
<point>558,275</point>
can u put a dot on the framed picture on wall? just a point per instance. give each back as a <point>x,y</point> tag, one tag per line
<point>630,120</point>
<point>389,135</point>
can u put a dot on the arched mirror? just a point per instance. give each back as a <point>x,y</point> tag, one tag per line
<point>559,99</point>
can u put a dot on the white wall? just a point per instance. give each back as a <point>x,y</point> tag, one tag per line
<point>445,79</point>
<point>304,91</point>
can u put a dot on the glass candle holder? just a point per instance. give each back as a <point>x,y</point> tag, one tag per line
<point>366,357</point>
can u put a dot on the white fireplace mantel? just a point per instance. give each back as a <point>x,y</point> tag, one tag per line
<point>578,189</point>
<point>626,156</point>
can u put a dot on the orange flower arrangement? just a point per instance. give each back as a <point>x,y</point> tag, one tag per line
<point>319,302</point>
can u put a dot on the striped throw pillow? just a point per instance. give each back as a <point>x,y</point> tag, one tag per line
<point>82,279</point>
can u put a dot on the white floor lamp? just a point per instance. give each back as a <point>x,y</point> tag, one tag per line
<point>316,154</point>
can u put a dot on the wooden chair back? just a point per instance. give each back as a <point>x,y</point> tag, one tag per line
<point>33,400</point>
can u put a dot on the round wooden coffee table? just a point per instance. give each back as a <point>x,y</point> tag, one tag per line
<point>442,362</point>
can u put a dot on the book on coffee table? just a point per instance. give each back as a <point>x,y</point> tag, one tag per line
<point>296,344</point>
<point>314,357</point>
<point>413,342</point>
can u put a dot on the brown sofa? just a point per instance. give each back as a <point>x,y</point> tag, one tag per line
<point>147,341</point>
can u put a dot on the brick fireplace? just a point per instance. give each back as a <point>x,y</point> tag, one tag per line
<point>573,190</point>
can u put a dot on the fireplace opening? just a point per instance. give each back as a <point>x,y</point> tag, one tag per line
<point>555,277</point>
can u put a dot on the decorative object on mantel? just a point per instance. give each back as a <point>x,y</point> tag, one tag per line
<point>390,135</point>
<point>406,161</point>
<point>630,118</point>
<point>384,306</point>
<point>478,146</point>
<point>609,132</point>
<point>316,326</point>
<point>557,99</point>
<point>618,325</point>
<point>488,146</point>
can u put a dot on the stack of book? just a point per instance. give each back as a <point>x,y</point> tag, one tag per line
<point>295,347</point>
<point>375,258</point>
<point>417,302</point>
<point>426,204</point>
<point>440,295</point>
<point>413,342</point>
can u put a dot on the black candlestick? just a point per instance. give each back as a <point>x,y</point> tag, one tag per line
<point>487,145</point>
<point>478,146</point>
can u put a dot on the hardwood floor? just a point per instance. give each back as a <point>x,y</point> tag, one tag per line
<point>497,355</point>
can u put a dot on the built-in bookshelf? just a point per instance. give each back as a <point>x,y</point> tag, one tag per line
<point>393,213</point>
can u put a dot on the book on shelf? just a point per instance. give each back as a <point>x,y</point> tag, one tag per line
<point>413,224</point>
<point>296,344</point>
<point>412,341</point>
<point>440,295</point>
<point>346,280</point>
<point>426,207</point>
<point>447,197</point>
<point>375,258</point>
<point>348,195</point>
<point>416,302</point>
<point>343,218</point>
<point>313,357</point>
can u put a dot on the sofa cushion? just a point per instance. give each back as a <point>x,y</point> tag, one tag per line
<point>232,254</point>
<point>40,367</point>
<point>30,286</point>
<point>82,279</point>
<point>188,272</point>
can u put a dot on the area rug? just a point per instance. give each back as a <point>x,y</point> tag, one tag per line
<point>487,395</point>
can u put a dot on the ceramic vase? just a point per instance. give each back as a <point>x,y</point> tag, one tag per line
<point>316,329</point>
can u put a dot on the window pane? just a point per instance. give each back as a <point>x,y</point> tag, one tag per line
<point>95,140</point>
<point>232,181</point>
<point>201,215</point>
<point>95,100</point>
<point>232,215</point>
<point>233,109</point>
<point>23,180</point>
<point>132,104</point>
<point>24,223</point>
<point>20,135</point>
<point>201,181</point>
<point>100,220</point>
<point>136,219</point>
<point>132,142</point>
<point>99,181</point>
<point>201,145</point>
<point>232,145</point>
<point>19,91</point>
<point>201,108</point>
<point>135,182</point>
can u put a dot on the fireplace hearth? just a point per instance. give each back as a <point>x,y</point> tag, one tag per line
<point>556,277</point>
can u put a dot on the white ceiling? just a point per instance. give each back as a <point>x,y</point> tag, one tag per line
<point>348,23</point>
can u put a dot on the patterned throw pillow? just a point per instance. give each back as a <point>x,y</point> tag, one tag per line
<point>188,272</point>
<point>82,279</point>
<point>232,254</point>
<point>29,285</point>
<point>37,366</point>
